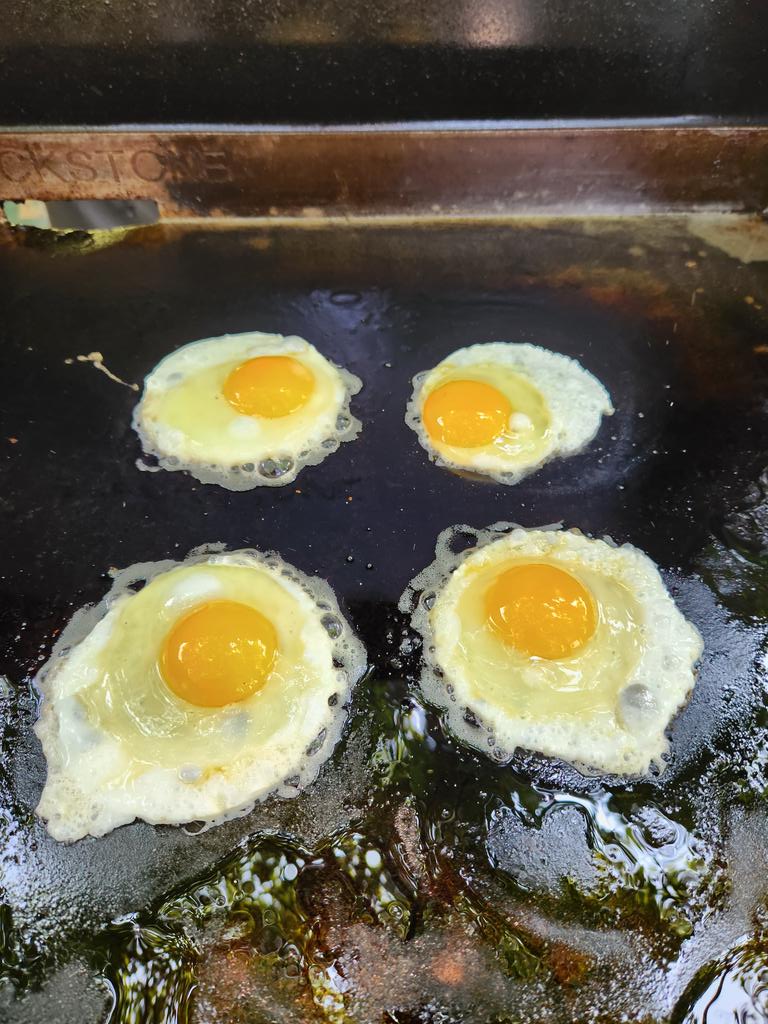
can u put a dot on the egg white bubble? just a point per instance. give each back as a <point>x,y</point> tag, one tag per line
<point>557,408</point>
<point>184,421</point>
<point>606,708</point>
<point>120,745</point>
<point>203,587</point>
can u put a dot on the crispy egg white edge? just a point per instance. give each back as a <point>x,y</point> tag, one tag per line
<point>668,634</point>
<point>227,347</point>
<point>210,803</point>
<point>551,373</point>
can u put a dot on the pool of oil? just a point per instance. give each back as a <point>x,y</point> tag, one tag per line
<point>415,880</point>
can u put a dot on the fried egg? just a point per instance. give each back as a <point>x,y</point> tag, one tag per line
<point>502,410</point>
<point>553,642</point>
<point>224,678</point>
<point>245,410</point>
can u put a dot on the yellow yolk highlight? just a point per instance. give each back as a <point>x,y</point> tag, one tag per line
<point>220,653</point>
<point>466,413</point>
<point>541,611</point>
<point>270,386</point>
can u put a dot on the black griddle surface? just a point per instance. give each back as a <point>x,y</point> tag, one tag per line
<point>662,319</point>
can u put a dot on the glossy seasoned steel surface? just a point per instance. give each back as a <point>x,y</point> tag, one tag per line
<point>415,881</point>
<point>327,61</point>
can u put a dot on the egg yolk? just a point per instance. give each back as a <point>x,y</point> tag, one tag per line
<point>541,611</point>
<point>269,386</point>
<point>218,654</point>
<point>466,413</point>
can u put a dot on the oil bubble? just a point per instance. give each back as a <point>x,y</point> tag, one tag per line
<point>332,626</point>
<point>275,468</point>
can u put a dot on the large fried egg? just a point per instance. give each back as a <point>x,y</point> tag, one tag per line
<point>223,679</point>
<point>245,410</point>
<point>553,642</point>
<point>503,409</point>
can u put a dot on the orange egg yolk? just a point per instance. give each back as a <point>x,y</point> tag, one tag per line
<point>269,386</point>
<point>541,611</point>
<point>220,653</point>
<point>466,413</point>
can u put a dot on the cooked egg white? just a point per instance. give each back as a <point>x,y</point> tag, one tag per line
<point>553,642</point>
<point>224,678</point>
<point>245,410</point>
<point>503,409</point>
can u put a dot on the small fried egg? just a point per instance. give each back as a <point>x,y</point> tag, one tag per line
<point>553,642</point>
<point>502,409</point>
<point>222,680</point>
<point>245,410</point>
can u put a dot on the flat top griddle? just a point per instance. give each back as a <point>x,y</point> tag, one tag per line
<point>415,880</point>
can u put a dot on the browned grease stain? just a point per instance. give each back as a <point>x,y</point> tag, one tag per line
<point>693,315</point>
